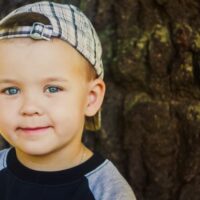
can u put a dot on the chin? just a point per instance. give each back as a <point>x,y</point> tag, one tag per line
<point>35,151</point>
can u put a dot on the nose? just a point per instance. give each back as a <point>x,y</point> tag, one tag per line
<point>31,106</point>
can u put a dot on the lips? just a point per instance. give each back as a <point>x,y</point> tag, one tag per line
<point>33,130</point>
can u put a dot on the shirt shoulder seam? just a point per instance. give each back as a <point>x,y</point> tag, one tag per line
<point>98,168</point>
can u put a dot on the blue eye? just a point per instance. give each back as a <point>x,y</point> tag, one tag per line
<point>53,89</point>
<point>10,91</point>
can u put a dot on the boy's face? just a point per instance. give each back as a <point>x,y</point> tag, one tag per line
<point>42,85</point>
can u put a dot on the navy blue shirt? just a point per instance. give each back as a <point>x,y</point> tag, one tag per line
<point>96,178</point>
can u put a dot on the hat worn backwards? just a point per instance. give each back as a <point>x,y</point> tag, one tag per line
<point>45,20</point>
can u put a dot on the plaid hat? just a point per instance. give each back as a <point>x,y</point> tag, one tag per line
<point>62,21</point>
<point>45,20</point>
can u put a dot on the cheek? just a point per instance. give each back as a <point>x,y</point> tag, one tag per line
<point>7,112</point>
<point>68,115</point>
<point>8,117</point>
<point>7,122</point>
<point>7,128</point>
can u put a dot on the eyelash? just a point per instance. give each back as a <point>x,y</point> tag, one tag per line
<point>9,88</point>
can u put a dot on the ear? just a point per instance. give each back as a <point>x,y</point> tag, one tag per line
<point>95,97</point>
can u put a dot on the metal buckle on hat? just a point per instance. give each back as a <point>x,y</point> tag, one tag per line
<point>34,31</point>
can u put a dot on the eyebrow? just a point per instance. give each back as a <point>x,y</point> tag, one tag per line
<point>58,79</point>
<point>50,79</point>
<point>8,81</point>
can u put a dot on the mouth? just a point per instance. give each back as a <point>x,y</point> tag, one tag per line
<point>33,130</point>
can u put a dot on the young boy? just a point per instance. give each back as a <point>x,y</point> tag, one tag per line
<point>51,79</point>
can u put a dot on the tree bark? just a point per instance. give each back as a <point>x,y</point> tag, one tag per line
<point>151,113</point>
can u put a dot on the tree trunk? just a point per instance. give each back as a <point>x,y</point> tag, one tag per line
<point>151,113</point>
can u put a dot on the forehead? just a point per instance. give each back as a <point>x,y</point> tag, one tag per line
<point>51,56</point>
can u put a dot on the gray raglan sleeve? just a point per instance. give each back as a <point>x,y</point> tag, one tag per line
<point>3,156</point>
<point>106,183</point>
